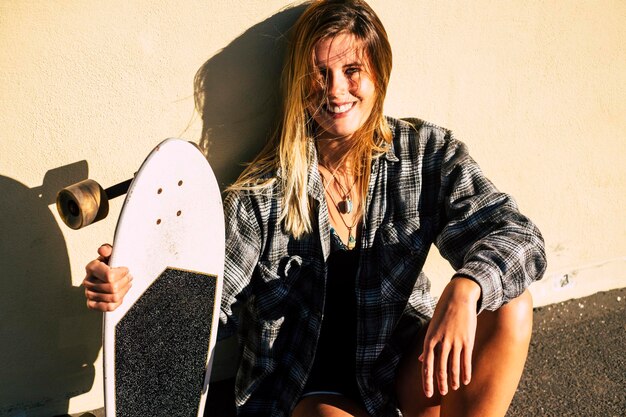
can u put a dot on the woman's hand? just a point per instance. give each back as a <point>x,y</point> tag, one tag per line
<point>105,287</point>
<point>447,354</point>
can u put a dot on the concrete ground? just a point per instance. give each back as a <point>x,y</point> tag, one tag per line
<point>576,365</point>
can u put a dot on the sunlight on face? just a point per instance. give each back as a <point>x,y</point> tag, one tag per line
<point>344,91</point>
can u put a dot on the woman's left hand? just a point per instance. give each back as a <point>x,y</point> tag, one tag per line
<point>447,354</point>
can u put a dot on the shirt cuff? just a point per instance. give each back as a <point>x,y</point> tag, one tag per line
<point>490,283</point>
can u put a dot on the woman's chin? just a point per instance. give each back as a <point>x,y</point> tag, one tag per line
<point>337,132</point>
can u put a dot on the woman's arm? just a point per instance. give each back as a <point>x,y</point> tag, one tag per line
<point>497,253</point>
<point>243,248</point>
<point>483,235</point>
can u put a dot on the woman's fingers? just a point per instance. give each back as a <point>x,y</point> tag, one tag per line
<point>454,371</point>
<point>428,368</point>
<point>105,253</point>
<point>107,293</point>
<point>105,287</point>
<point>116,285</point>
<point>445,365</point>
<point>467,364</point>
<point>442,368</point>
<point>102,272</point>
<point>102,306</point>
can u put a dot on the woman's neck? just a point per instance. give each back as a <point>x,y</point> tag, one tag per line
<point>333,154</point>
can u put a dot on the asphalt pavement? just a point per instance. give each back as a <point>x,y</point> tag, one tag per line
<point>576,364</point>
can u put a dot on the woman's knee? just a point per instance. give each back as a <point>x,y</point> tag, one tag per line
<point>522,311</point>
<point>515,318</point>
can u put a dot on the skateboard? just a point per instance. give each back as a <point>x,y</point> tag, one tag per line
<point>159,344</point>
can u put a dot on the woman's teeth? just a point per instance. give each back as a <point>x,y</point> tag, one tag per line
<point>339,109</point>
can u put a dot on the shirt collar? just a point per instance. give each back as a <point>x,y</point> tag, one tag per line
<point>390,153</point>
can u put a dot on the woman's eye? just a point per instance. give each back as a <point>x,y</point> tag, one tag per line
<point>352,71</point>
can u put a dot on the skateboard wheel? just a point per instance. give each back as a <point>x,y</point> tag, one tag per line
<point>82,203</point>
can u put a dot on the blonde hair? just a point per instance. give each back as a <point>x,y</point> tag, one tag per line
<point>288,151</point>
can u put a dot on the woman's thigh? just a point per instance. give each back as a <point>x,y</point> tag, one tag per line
<point>502,340</point>
<point>409,387</point>
<point>328,405</point>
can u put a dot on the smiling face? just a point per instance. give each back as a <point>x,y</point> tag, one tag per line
<point>344,90</point>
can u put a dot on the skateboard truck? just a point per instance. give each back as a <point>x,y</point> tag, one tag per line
<point>87,202</point>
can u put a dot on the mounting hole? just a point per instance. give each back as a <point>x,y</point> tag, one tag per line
<point>178,213</point>
<point>158,221</point>
<point>180,183</point>
<point>72,207</point>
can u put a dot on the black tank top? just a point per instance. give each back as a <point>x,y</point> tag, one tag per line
<point>334,364</point>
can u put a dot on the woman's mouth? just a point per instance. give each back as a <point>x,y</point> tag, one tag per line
<point>339,109</point>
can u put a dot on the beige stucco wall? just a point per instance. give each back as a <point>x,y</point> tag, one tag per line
<point>537,89</point>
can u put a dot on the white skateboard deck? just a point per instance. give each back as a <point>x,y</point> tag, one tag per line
<point>158,345</point>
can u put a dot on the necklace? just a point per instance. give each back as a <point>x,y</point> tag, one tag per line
<point>345,206</point>
<point>351,238</point>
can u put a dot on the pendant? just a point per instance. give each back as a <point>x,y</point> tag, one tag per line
<point>351,240</point>
<point>345,206</point>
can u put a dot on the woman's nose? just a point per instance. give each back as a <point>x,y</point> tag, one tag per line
<point>338,85</point>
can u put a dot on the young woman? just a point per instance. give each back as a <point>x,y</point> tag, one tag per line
<point>327,233</point>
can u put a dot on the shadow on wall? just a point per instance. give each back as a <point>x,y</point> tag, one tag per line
<point>237,94</point>
<point>49,339</point>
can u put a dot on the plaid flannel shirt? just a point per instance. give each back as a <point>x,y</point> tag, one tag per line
<point>424,190</point>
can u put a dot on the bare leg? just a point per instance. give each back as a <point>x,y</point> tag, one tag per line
<point>328,406</point>
<point>500,350</point>
<point>409,388</point>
